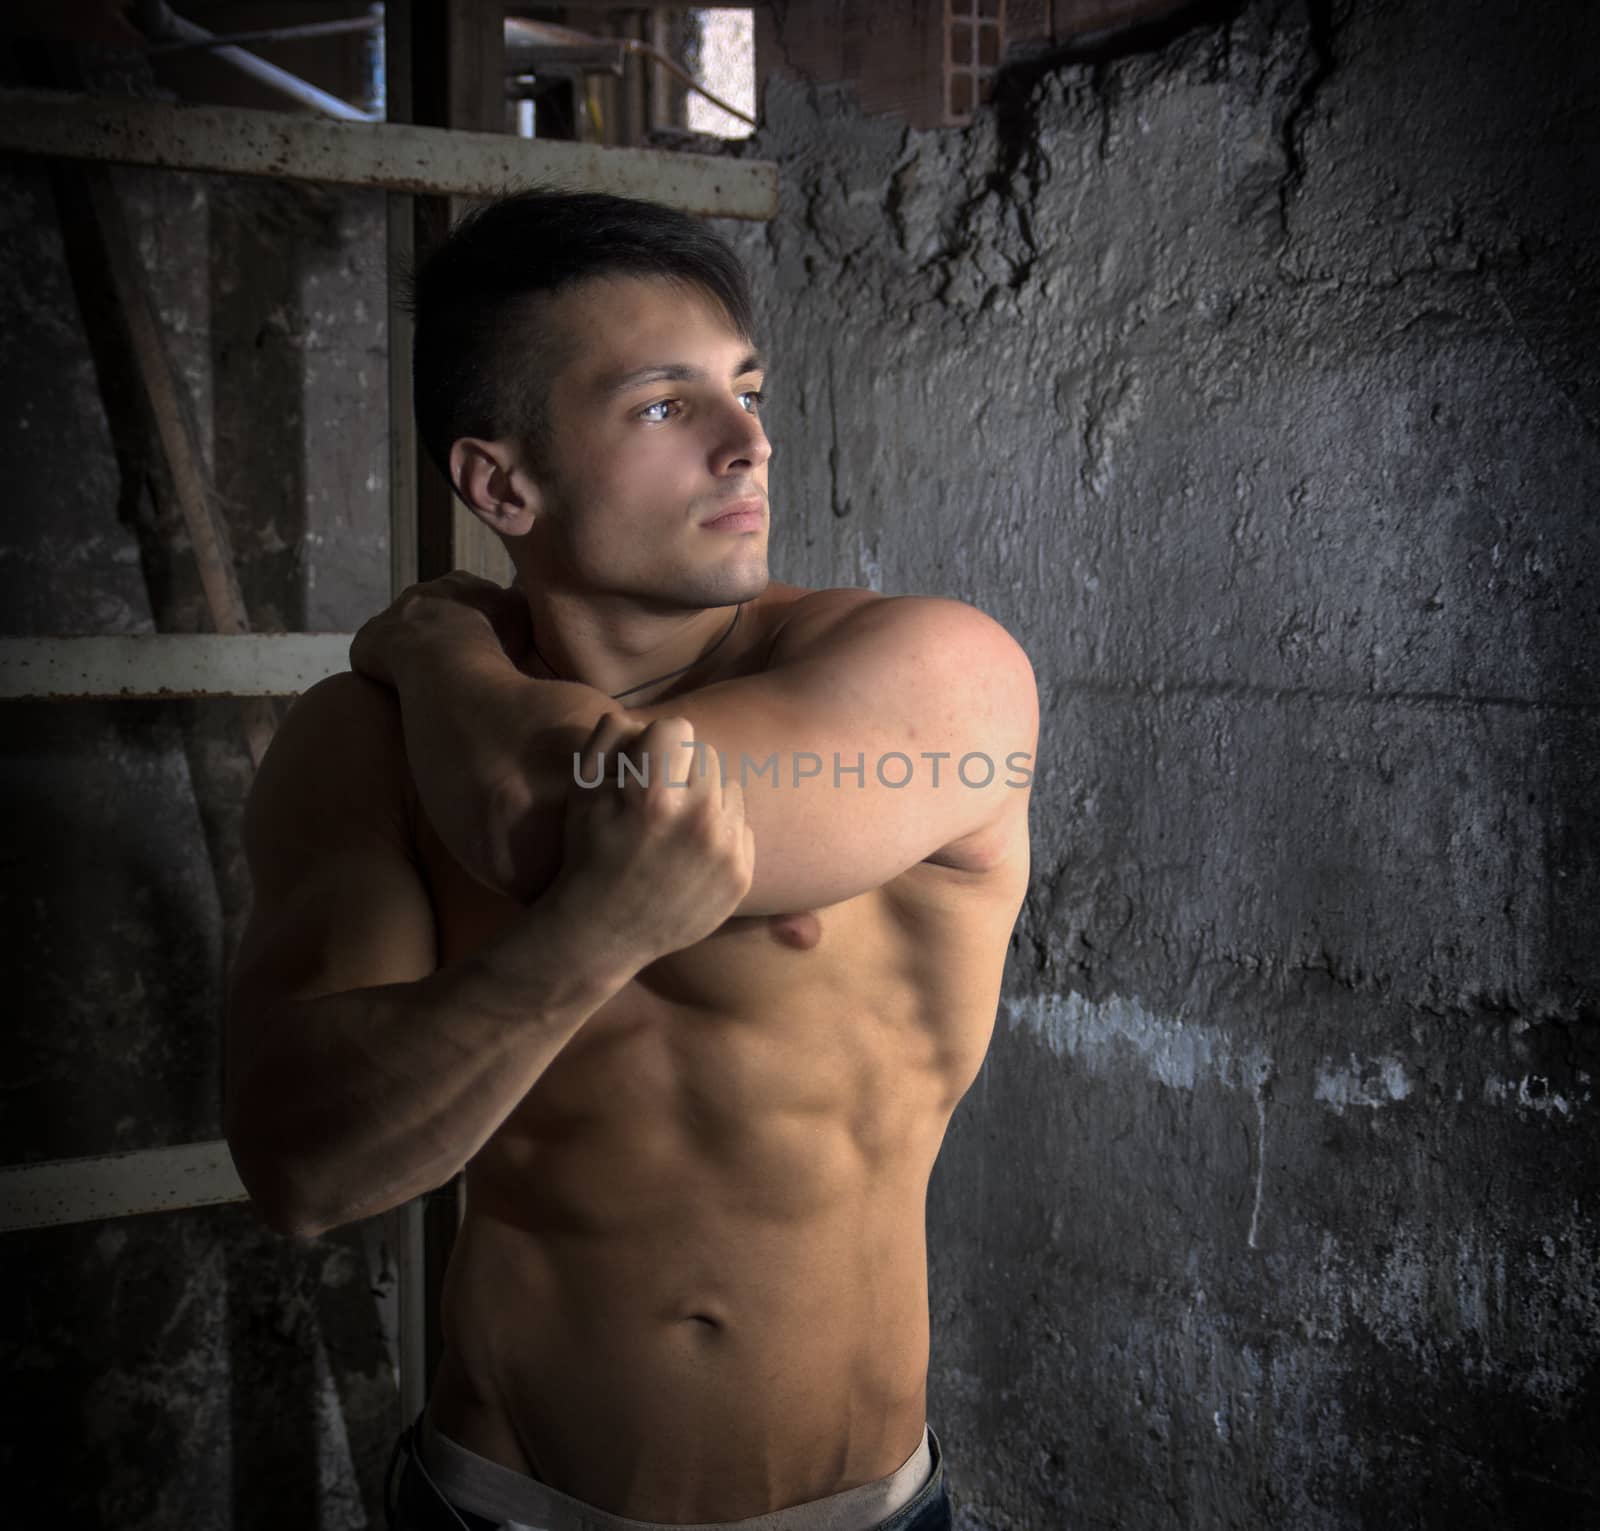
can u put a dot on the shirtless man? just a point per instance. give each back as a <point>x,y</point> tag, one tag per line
<point>695,1042</point>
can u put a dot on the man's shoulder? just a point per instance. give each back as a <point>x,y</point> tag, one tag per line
<point>815,620</point>
<point>799,600</point>
<point>344,717</point>
<point>906,650</point>
<point>337,761</point>
<point>801,616</point>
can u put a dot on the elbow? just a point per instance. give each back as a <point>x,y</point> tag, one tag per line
<point>284,1189</point>
<point>278,1202</point>
<point>302,1198</point>
<point>289,1211</point>
<point>287,1219</point>
<point>282,1199</point>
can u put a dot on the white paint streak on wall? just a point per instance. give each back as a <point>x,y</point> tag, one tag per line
<point>1380,1082</point>
<point>1177,1053</point>
<point>1532,1093</point>
<point>1261,1162</point>
<point>867,563</point>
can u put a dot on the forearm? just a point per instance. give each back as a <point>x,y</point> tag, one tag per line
<point>352,1103</point>
<point>510,836</point>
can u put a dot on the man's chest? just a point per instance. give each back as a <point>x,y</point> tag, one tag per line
<point>748,966</point>
<point>890,969</point>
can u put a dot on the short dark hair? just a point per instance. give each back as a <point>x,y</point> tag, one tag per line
<point>482,357</point>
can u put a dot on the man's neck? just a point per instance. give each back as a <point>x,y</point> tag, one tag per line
<point>635,655</point>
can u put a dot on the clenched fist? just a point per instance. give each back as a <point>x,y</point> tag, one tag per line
<point>659,862</point>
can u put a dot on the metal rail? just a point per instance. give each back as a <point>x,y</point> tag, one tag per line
<point>59,1191</point>
<point>130,666</point>
<point>394,156</point>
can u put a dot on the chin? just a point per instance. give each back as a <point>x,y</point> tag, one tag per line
<point>729,586</point>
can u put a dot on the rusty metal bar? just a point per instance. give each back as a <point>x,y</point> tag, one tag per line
<point>394,156</point>
<point>58,1191</point>
<point>130,666</point>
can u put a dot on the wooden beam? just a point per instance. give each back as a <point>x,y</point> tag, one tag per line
<point>100,221</point>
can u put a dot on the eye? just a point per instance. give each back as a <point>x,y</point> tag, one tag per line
<point>757,399</point>
<point>663,404</point>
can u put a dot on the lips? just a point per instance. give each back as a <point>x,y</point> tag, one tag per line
<point>741,516</point>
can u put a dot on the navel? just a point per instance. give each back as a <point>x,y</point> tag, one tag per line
<point>801,931</point>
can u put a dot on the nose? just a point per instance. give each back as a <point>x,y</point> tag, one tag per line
<point>741,442</point>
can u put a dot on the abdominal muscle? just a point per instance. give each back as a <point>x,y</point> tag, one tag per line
<point>691,1281</point>
<point>685,1288</point>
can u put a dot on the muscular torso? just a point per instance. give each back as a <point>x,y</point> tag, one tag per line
<point>691,1283</point>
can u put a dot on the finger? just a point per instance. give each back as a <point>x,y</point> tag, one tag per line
<point>672,743</point>
<point>705,764</point>
<point>597,758</point>
<point>730,802</point>
<point>653,751</point>
<point>719,784</point>
<point>649,768</point>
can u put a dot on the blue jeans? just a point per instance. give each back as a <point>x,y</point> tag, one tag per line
<point>414,1503</point>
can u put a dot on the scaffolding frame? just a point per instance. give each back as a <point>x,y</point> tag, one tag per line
<point>445,72</point>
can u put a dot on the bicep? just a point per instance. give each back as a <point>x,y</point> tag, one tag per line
<point>902,732</point>
<point>352,918</point>
<point>339,901</point>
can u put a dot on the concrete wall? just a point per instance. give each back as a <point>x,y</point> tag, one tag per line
<point>1252,384</point>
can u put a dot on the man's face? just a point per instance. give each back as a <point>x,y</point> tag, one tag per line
<point>656,433</point>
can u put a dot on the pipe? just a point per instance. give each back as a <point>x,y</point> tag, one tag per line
<point>161,24</point>
<point>672,67</point>
<point>301,30</point>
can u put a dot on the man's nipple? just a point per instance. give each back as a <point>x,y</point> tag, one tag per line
<point>800,931</point>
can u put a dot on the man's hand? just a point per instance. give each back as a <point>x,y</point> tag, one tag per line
<point>474,741</point>
<point>457,605</point>
<point>361,1072</point>
<point>654,864</point>
<point>884,731</point>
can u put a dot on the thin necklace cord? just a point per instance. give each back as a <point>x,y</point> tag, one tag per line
<point>644,685</point>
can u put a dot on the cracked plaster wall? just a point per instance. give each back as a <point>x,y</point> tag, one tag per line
<point>1251,382</point>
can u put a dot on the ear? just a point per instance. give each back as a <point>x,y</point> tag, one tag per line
<point>494,485</point>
